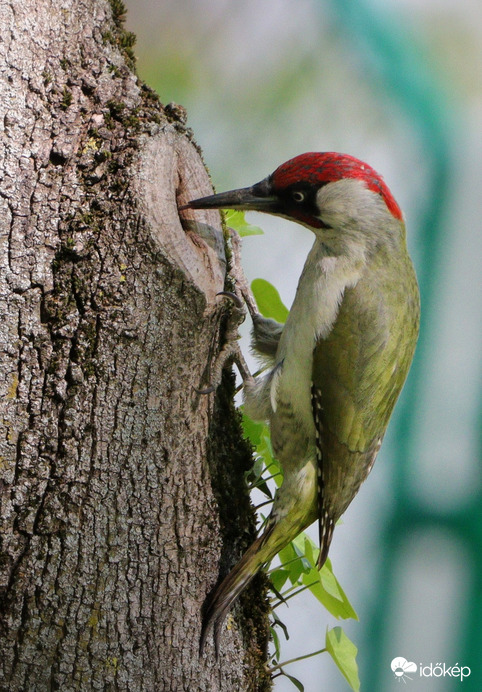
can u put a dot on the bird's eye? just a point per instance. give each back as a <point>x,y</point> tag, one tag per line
<point>298,196</point>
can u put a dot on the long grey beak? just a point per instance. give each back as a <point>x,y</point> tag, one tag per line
<point>255,198</point>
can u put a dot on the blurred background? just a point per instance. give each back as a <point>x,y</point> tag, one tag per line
<point>397,83</point>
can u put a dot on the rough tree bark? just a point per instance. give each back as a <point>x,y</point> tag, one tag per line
<point>121,486</point>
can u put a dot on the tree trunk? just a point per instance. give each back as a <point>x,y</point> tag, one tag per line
<point>114,470</point>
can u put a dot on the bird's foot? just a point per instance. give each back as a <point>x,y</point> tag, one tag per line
<point>240,298</point>
<point>230,351</point>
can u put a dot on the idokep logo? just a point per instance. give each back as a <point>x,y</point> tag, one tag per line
<point>401,668</point>
<point>440,670</point>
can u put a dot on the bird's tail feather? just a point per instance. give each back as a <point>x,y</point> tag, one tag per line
<point>280,530</point>
<point>221,599</point>
<point>326,526</point>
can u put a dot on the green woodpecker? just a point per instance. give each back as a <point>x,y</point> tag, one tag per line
<point>338,364</point>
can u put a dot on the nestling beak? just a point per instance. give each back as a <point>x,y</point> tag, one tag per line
<point>259,197</point>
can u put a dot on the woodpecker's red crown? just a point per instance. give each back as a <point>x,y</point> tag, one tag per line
<point>316,169</point>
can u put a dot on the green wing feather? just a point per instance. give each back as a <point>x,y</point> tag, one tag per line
<point>358,372</point>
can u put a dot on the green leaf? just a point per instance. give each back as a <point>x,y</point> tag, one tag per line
<point>269,301</point>
<point>264,450</point>
<point>278,578</point>
<point>287,553</point>
<point>254,478</point>
<point>323,584</point>
<point>277,622</point>
<point>258,435</point>
<point>295,682</point>
<point>252,430</point>
<point>294,563</point>
<point>343,652</point>
<point>276,642</point>
<point>236,220</point>
<point>330,582</point>
<point>325,587</point>
<point>306,547</point>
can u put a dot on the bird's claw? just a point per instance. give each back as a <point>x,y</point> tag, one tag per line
<point>232,351</point>
<point>232,296</point>
<point>206,390</point>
